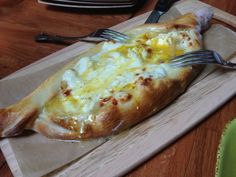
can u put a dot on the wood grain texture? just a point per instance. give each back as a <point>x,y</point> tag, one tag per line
<point>20,20</point>
<point>194,154</point>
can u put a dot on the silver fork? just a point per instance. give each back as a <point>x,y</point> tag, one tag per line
<point>201,57</point>
<point>97,36</point>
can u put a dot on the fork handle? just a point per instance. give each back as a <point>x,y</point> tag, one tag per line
<point>47,38</point>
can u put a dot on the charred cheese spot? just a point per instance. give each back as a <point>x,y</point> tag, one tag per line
<point>114,101</point>
<point>145,81</point>
<point>103,101</point>
<point>67,92</point>
<point>106,99</point>
<point>127,98</point>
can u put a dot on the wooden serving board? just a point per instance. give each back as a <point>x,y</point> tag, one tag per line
<point>34,155</point>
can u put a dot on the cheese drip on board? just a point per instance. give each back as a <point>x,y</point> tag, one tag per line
<point>109,76</point>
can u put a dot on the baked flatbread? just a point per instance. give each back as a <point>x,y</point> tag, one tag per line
<point>113,85</point>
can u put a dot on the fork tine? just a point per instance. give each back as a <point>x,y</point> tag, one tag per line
<point>115,35</point>
<point>109,31</point>
<point>192,54</point>
<point>190,62</point>
<point>112,37</point>
<point>196,57</point>
<point>121,38</point>
<point>109,37</point>
<point>189,58</point>
<point>201,57</point>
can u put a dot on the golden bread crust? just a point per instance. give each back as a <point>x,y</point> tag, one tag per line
<point>150,96</point>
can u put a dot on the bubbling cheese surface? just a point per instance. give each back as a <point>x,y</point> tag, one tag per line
<point>114,71</point>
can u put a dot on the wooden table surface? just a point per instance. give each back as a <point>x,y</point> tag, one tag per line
<point>193,155</point>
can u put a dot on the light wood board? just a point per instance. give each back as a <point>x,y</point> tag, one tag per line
<point>122,152</point>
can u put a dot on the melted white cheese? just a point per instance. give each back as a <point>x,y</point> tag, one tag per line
<point>116,67</point>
